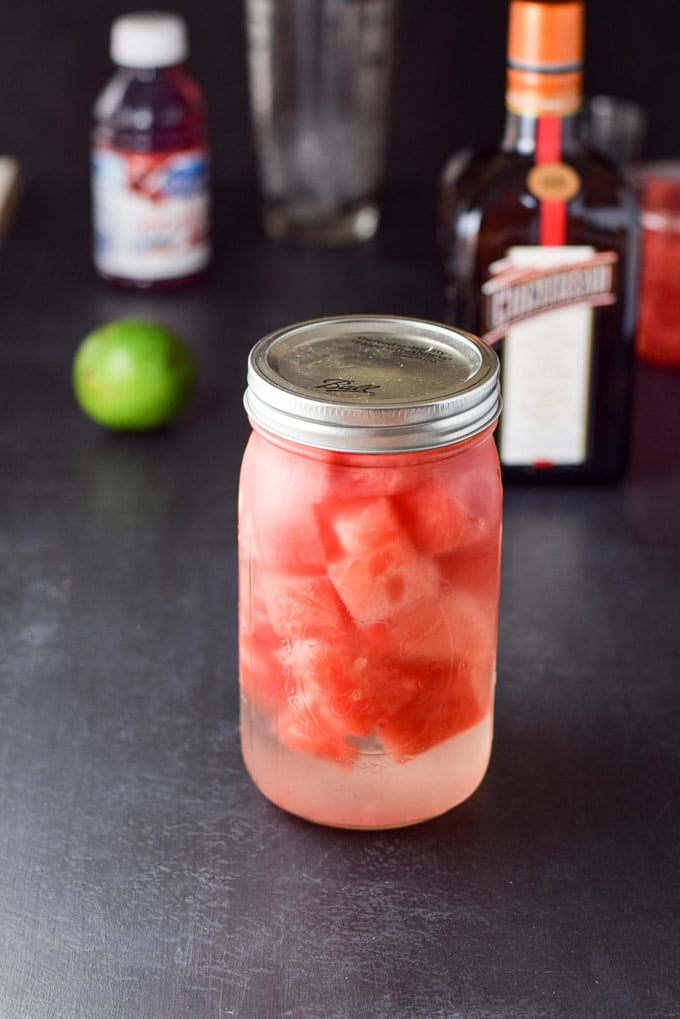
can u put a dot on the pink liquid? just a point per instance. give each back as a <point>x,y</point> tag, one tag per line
<point>368,614</point>
<point>375,791</point>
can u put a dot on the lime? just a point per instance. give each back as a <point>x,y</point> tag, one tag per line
<point>132,375</point>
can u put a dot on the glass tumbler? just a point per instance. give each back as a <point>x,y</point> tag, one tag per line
<point>658,336</point>
<point>369,561</point>
<point>319,73</point>
<point>616,128</point>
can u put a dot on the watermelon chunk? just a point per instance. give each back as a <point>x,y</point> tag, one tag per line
<point>326,712</point>
<point>404,685</point>
<point>450,512</point>
<point>372,564</point>
<point>279,526</point>
<point>332,678</point>
<point>375,587</point>
<point>474,567</point>
<point>300,732</point>
<point>356,476</point>
<point>444,653</point>
<point>262,679</point>
<point>357,526</point>
<point>303,606</point>
<point>345,690</point>
<point>455,705</point>
<point>435,521</point>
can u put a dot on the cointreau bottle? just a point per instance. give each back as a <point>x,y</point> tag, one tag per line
<point>540,243</point>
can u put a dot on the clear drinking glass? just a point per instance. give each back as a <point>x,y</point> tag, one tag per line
<point>320,75</point>
<point>615,128</point>
<point>658,189</point>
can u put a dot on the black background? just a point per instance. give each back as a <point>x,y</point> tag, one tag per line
<point>448,82</point>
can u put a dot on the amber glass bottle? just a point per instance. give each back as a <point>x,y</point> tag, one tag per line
<point>540,245</point>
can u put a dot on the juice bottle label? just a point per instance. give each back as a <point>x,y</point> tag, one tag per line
<point>151,212</point>
<point>539,302</point>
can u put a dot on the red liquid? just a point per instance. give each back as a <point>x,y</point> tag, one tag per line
<point>658,339</point>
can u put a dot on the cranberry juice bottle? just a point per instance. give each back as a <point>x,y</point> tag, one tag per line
<point>150,160</point>
<point>369,548</point>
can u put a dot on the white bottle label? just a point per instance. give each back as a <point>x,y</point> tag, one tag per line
<point>151,213</point>
<point>540,300</point>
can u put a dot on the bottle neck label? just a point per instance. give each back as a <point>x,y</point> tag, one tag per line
<point>534,94</point>
<point>544,58</point>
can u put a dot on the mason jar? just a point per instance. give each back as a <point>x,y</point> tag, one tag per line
<point>369,563</point>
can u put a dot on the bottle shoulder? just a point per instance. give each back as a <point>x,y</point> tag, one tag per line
<point>142,109</point>
<point>486,202</point>
<point>479,179</point>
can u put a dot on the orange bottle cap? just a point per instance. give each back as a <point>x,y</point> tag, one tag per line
<point>545,36</point>
<point>545,52</point>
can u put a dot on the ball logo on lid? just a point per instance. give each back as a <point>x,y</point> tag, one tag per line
<point>347,386</point>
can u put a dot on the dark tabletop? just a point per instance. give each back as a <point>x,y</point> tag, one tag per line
<point>142,875</point>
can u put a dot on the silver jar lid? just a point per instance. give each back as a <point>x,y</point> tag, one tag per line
<point>373,384</point>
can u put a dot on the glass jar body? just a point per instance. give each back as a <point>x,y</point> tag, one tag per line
<point>368,604</point>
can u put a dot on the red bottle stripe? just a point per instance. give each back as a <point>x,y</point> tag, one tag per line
<point>553,215</point>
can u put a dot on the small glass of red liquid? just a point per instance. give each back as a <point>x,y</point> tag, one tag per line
<point>658,336</point>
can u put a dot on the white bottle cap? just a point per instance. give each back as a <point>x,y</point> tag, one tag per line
<point>149,39</point>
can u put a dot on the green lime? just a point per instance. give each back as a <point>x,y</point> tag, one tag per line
<point>132,375</point>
